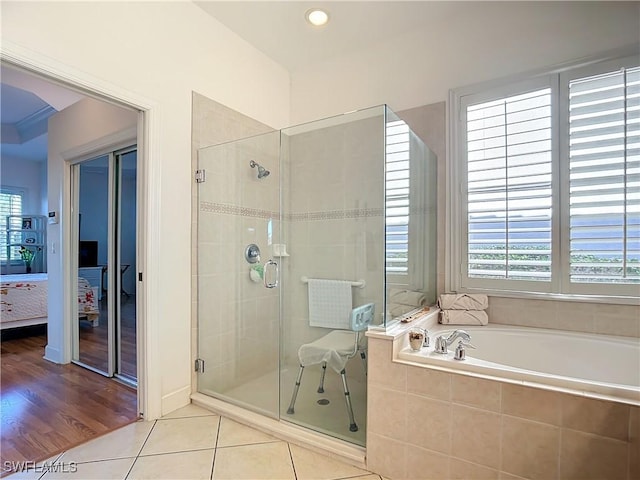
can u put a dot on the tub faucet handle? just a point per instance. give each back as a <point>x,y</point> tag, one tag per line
<point>425,342</point>
<point>441,345</point>
<point>460,350</point>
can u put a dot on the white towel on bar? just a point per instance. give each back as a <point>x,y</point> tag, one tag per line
<point>330,303</point>
<point>463,301</point>
<point>464,317</point>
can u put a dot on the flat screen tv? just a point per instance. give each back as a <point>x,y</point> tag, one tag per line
<point>88,253</point>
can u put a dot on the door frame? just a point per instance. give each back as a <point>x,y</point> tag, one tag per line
<point>148,216</point>
<point>125,142</point>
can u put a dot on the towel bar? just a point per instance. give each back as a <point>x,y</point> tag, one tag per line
<point>359,283</point>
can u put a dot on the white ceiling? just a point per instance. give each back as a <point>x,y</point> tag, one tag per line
<point>27,103</point>
<point>279,29</point>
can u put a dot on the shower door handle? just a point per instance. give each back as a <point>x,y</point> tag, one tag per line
<point>268,284</point>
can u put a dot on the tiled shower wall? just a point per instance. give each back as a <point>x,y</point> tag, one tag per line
<point>233,211</point>
<point>335,219</point>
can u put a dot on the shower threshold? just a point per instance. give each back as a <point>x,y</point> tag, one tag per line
<point>333,447</point>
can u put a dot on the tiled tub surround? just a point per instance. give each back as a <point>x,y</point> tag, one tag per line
<point>444,424</point>
<point>588,317</point>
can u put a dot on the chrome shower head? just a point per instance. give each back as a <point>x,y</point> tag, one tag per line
<point>262,172</point>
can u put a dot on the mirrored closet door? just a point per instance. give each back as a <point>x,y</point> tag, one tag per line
<point>104,233</point>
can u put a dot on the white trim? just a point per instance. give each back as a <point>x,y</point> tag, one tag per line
<point>149,370</point>
<point>104,146</point>
<point>51,354</point>
<point>176,399</point>
<point>565,297</point>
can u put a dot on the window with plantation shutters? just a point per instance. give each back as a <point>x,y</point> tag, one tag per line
<point>604,177</point>
<point>509,187</point>
<point>10,204</point>
<point>546,183</point>
<point>397,197</point>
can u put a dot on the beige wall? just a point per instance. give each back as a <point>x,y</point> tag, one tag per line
<point>153,54</point>
<point>439,425</point>
<point>478,42</point>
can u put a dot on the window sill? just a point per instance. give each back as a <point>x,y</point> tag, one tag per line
<point>560,297</point>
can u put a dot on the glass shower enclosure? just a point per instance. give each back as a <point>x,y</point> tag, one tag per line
<point>349,198</point>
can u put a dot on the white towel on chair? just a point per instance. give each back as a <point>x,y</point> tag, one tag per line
<point>330,303</point>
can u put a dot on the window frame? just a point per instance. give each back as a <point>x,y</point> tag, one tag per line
<point>9,190</point>
<point>560,287</point>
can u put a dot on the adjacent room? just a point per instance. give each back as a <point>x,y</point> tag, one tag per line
<point>29,105</point>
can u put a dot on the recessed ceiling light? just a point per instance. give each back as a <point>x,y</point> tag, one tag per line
<point>317,17</point>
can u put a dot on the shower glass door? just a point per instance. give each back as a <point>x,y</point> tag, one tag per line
<point>239,301</point>
<point>348,198</point>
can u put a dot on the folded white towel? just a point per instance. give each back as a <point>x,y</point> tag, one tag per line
<point>463,301</point>
<point>464,317</point>
<point>407,297</point>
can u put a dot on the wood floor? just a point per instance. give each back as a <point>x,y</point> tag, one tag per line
<point>93,346</point>
<point>47,408</point>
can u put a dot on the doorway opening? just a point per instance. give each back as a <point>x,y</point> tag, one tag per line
<point>54,336</point>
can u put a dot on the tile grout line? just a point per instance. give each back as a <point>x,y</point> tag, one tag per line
<point>215,447</point>
<point>155,422</point>
<point>293,464</point>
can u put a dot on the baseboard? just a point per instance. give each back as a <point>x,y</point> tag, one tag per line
<point>52,354</point>
<point>176,400</point>
<point>331,447</point>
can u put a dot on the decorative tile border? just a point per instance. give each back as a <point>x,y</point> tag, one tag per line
<point>236,210</point>
<point>292,217</point>
<point>336,214</point>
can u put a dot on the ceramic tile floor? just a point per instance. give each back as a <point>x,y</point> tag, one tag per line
<point>191,443</point>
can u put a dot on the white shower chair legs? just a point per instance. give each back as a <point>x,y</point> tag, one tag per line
<point>291,410</point>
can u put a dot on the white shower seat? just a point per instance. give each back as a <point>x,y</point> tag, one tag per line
<point>335,349</point>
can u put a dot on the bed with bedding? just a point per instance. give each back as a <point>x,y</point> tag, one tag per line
<point>23,300</point>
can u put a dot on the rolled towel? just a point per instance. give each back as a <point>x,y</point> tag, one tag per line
<point>463,317</point>
<point>463,301</point>
<point>397,310</point>
<point>407,297</point>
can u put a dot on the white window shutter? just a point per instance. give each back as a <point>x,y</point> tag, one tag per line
<point>509,189</point>
<point>397,200</point>
<point>604,176</point>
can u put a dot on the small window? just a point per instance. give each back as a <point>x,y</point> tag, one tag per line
<point>11,201</point>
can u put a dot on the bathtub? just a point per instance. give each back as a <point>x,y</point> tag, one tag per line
<point>597,366</point>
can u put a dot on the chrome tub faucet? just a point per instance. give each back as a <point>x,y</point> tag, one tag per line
<point>442,343</point>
